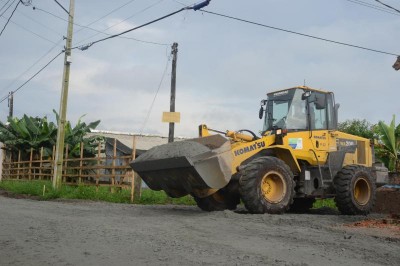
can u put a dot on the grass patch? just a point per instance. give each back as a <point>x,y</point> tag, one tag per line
<point>35,188</point>
<point>319,203</point>
<point>149,197</point>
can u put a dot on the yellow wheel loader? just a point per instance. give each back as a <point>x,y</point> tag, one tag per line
<point>298,157</point>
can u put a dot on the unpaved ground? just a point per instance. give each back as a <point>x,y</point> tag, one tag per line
<point>92,233</point>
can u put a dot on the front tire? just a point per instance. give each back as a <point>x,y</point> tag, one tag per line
<point>219,201</point>
<point>355,190</point>
<point>266,185</point>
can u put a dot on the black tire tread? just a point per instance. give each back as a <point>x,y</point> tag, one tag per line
<point>209,203</point>
<point>343,185</point>
<point>249,187</point>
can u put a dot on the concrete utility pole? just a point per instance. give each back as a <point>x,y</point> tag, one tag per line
<point>11,104</point>
<point>63,102</point>
<point>173,89</point>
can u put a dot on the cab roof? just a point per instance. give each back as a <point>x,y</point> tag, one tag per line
<point>301,87</point>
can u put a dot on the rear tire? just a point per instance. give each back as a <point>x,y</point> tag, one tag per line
<point>355,190</point>
<point>219,201</point>
<point>266,185</point>
<point>301,205</point>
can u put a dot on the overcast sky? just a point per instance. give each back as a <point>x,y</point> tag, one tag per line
<point>225,67</point>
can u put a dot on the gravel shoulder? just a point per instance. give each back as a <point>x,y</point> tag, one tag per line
<point>95,233</point>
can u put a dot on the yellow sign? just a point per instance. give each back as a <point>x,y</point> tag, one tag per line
<point>171,117</point>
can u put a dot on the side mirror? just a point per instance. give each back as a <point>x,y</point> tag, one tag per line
<point>305,95</point>
<point>261,112</point>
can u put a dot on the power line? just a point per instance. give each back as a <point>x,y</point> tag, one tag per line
<point>23,84</point>
<point>135,14</point>
<point>112,11</point>
<point>28,30</point>
<point>86,27</point>
<point>387,6</point>
<point>29,68</point>
<point>372,6</point>
<point>155,96</point>
<point>132,29</point>
<point>61,6</point>
<point>9,18</point>
<point>56,44</point>
<point>38,22</point>
<point>298,33</point>
<point>7,7</point>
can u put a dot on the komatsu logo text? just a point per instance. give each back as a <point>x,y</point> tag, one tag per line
<point>255,146</point>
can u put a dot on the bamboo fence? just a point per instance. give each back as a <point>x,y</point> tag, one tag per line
<point>102,170</point>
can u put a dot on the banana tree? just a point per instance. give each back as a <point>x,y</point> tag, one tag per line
<point>388,149</point>
<point>34,132</point>
<point>28,132</point>
<point>75,136</point>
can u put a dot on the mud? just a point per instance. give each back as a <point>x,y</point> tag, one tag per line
<point>93,233</point>
<point>387,200</point>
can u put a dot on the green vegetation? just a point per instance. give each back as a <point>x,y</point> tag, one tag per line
<point>35,188</point>
<point>387,136</point>
<point>34,132</point>
<point>388,149</point>
<point>357,127</point>
<point>319,203</point>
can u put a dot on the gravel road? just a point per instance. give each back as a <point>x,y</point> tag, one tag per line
<point>93,233</point>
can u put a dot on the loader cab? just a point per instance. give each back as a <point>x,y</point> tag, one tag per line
<point>299,109</point>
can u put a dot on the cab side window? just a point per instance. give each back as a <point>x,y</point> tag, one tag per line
<point>318,112</point>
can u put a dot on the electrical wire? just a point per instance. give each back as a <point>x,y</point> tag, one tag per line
<point>112,11</point>
<point>56,44</point>
<point>387,6</point>
<point>23,84</point>
<point>298,33</point>
<point>372,6</point>
<point>155,96</point>
<point>9,18</point>
<point>28,30</point>
<point>40,23</point>
<point>84,47</point>
<point>98,32</point>
<point>29,68</point>
<point>7,7</point>
<point>133,15</point>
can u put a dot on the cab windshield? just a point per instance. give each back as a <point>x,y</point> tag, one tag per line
<point>286,110</point>
<point>299,109</point>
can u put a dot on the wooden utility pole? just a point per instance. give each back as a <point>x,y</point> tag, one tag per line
<point>173,89</point>
<point>57,177</point>
<point>11,104</point>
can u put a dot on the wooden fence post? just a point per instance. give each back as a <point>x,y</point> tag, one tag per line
<point>30,164</point>
<point>113,165</point>
<point>98,166</point>
<point>52,163</point>
<point>81,164</point>
<point>133,172</point>
<point>18,164</point>
<point>41,163</point>
<point>137,182</point>
<point>64,175</point>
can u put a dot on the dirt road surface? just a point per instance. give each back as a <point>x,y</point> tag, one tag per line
<point>92,233</point>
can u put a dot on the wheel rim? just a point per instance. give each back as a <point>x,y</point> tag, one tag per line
<point>362,191</point>
<point>273,187</point>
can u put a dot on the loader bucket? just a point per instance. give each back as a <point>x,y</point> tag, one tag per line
<point>197,166</point>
